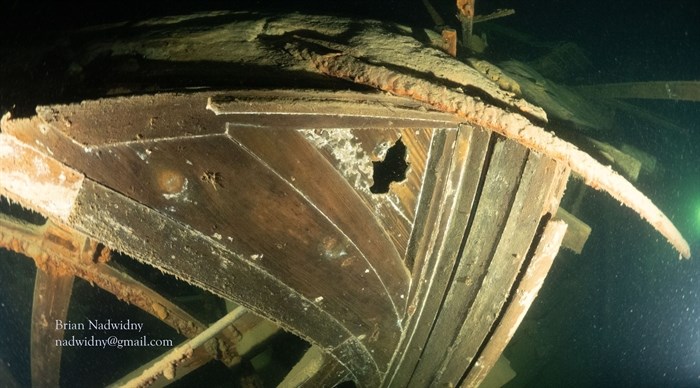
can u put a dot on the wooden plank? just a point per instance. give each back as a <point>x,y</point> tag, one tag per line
<point>417,142</point>
<point>34,179</point>
<point>311,174</point>
<point>541,181</point>
<point>510,125</point>
<point>353,152</point>
<point>167,364</point>
<point>142,129</point>
<point>494,200</point>
<point>627,165</point>
<point>315,369</point>
<point>176,176</point>
<point>341,109</point>
<point>443,214</point>
<point>656,90</point>
<point>66,253</point>
<point>230,195</point>
<point>61,251</point>
<point>52,293</point>
<point>227,198</point>
<point>196,360</point>
<point>577,232</point>
<point>526,292</point>
<point>207,263</point>
<point>197,180</point>
<point>168,115</point>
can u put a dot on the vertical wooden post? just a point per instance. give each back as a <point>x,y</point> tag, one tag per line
<point>466,18</point>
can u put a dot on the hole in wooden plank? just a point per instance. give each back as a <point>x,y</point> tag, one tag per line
<point>391,169</point>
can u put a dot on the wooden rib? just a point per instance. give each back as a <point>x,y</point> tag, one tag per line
<point>62,251</point>
<point>323,186</point>
<point>444,214</point>
<point>527,290</point>
<point>131,227</point>
<point>510,125</point>
<point>537,195</point>
<point>52,293</point>
<point>497,14</point>
<point>258,236</point>
<point>491,214</point>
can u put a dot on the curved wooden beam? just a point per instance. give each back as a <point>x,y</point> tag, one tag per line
<point>510,125</point>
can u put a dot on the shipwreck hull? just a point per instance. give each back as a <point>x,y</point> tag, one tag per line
<point>275,209</point>
<point>403,234</point>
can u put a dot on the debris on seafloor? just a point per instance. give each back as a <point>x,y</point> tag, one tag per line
<point>449,35</point>
<point>657,90</point>
<point>467,17</point>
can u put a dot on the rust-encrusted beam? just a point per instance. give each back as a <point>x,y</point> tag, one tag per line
<point>167,364</point>
<point>67,252</point>
<point>510,125</point>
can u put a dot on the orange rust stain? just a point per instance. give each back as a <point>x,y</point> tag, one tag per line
<point>466,7</point>
<point>104,256</point>
<point>16,246</point>
<point>171,182</point>
<point>449,38</point>
<point>160,311</point>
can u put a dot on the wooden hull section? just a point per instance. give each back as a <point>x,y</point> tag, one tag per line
<point>335,178</point>
<point>282,217</point>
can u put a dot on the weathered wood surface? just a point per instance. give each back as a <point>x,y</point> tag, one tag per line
<point>446,205</point>
<point>52,293</point>
<point>265,196</point>
<point>168,364</point>
<point>315,369</point>
<point>61,254</point>
<point>527,288</point>
<point>516,194</point>
<point>541,184</point>
<point>293,217</point>
<point>513,126</point>
<point>204,212</point>
<point>278,219</point>
<point>576,234</point>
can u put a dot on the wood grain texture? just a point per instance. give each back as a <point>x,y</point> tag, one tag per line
<point>494,200</point>
<point>443,214</point>
<point>52,293</point>
<point>281,218</point>
<point>541,179</point>
<point>527,288</point>
<point>175,179</point>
